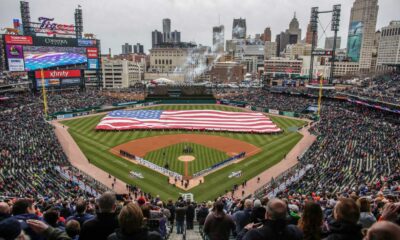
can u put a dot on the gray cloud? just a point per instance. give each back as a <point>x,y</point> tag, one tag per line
<point>118,21</point>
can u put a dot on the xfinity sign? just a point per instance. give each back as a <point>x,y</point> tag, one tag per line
<point>58,74</point>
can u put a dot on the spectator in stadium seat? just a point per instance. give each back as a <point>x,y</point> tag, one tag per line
<point>11,229</point>
<point>391,213</point>
<point>346,215</point>
<point>4,211</point>
<point>366,217</point>
<point>105,222</point>
<point>23,210</point>
<point>383,230</point>
<point>131,223</point>
<point>72,228</point>
<point>243,217</point>
<point>218,225</point>
<point>258,212</point>
<point>311,221</point>
<point>81,216</point>
<point>180,212</point>
<point>65,211</point>
<point>51,217</point>
<point>275,226</point>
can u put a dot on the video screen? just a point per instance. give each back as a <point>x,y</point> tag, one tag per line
<point>39,57</point>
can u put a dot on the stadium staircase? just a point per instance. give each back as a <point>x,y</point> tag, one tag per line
<point>188,234</point>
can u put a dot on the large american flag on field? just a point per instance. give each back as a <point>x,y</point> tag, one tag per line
<point>189,120</point>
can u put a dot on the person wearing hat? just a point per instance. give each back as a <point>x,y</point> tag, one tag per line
<point>10,229</point>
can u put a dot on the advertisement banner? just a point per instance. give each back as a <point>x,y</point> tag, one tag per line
<point>289,114</point>
<point>70,81</point>
<point>92,52</point>
<point>273,111</point>
<point>354,40</point>
<point>93,63</point>
<point>87,42</point>
<point>14,51</point>
<point>58,42</point>
<point>18,40</point>
<point>59,74</point>
<point>16,65</point>
<point>52,82</point>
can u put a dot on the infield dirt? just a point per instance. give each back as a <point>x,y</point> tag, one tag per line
<point>140,147</point>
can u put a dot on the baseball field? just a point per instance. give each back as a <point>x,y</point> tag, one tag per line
<point>167,147</point>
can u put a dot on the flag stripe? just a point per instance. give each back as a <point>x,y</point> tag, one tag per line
<point>188,119</point>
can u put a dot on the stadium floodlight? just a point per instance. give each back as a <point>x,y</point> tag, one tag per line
<point>314,19</point>
<point>336,17</point>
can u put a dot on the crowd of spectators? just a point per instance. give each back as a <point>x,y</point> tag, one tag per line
<point>352,190</point>
<point>382,88</point>
<point>266,99</point>
<point>295,217</point>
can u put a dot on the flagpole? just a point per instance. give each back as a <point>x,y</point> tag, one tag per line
<point>44,93</point>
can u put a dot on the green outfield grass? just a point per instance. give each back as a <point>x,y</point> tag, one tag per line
<point>205,157</point>
<point>95,145</point>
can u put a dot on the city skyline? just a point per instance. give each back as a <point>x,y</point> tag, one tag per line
<point>120,25</point>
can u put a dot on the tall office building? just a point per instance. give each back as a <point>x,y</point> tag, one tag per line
<point>138,48</point>
<point>362,26</point>
<point>156,38</point>
<point>290,36</point>
<point>166,29</point>
<point>389,45</point>
<point>309,36</point>
<point>218,38</point>
<point>176,37</point>
<point>126,48</point>
<point>239,29</point>
<point>267,35</point>
<point>166,36</point>
<point>329,42</point>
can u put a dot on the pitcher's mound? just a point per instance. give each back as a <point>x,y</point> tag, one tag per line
<point>186,158</point>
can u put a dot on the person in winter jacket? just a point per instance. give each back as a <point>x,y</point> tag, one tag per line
<point>201,215</point>
<point>366,217</point>
<point>171,207</point>
<point>180,213</point>
<point>81,216</point>
<point>243,217</point>
<point>105,222</point>
<point>275,226</point>
<point>218,225</point>
<point>23,210</point>
<point>131,223</point>
<point>344,227</point>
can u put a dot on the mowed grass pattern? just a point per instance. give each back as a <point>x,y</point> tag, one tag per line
<point>96,144</point>
<point>205,157</point>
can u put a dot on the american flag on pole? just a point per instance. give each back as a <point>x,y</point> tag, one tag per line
<point>189,120</point>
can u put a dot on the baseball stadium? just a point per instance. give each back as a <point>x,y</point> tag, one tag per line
<point>247,139</point>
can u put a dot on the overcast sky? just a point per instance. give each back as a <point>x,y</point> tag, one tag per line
<point>118,21</point>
